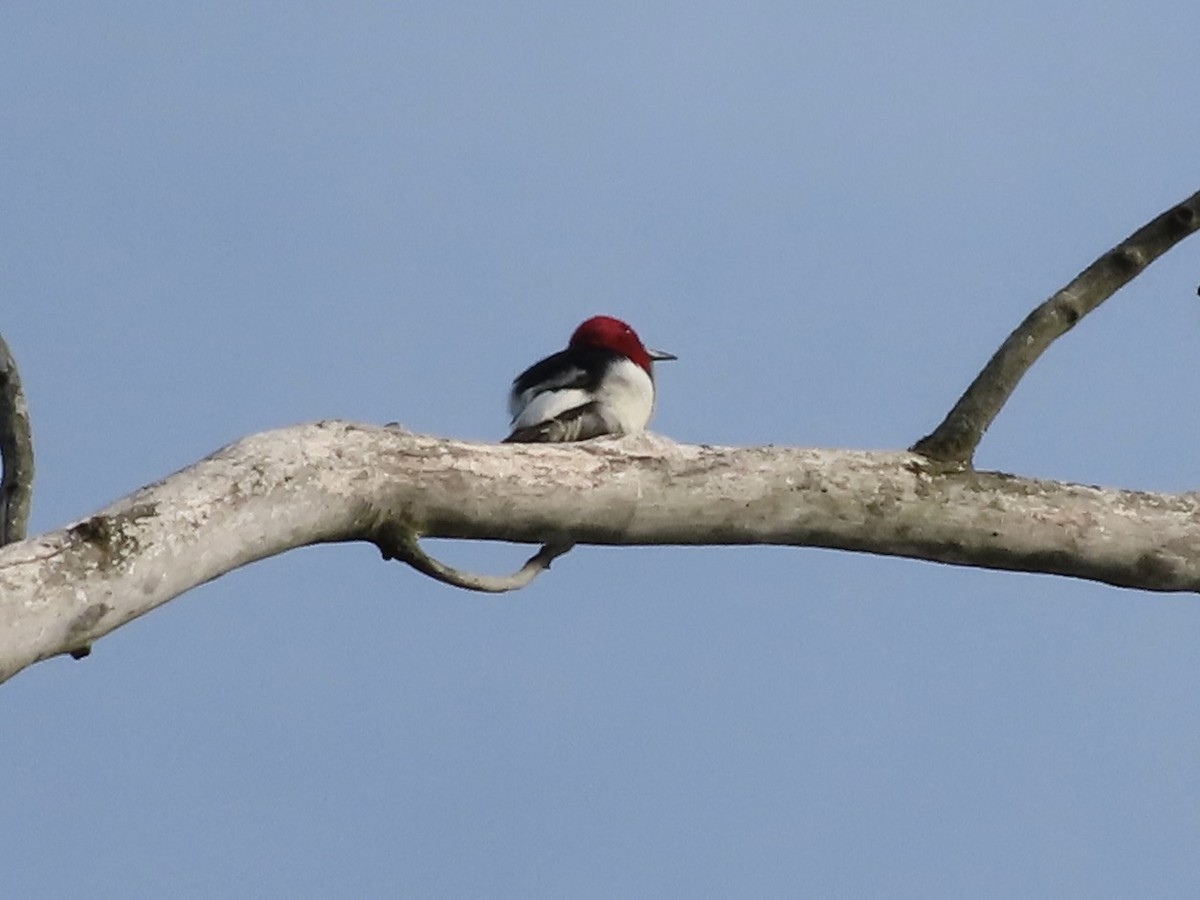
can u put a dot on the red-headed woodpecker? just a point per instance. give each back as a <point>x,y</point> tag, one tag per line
<point>603,383</point>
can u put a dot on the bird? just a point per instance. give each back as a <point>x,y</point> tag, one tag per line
<point>602,383</point>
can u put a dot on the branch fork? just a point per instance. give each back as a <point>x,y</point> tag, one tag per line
<point>954,441</point>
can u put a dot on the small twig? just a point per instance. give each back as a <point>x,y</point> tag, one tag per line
<point>397,542</point>
<point>955,440</point>
<point>16,447</point>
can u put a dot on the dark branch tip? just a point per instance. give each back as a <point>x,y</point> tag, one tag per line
<point>1127,260</point>
<point>1185,214</point>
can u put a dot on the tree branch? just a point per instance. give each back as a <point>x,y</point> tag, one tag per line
<point>397,542</point>
<point>16,448</point>
<point>337,481</point>
<point>954,441</point>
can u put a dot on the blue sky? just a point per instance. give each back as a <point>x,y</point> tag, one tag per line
<point>221,219</point>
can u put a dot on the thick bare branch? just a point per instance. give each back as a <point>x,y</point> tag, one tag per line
<point>16,447</point>
<point>336,481</point>
<point>954,441</point>
<point>397,542</point>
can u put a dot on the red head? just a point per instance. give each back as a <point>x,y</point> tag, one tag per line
<point>613,334</point>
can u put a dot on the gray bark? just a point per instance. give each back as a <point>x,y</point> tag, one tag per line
<point>337,481</point>
<point>16,452</point>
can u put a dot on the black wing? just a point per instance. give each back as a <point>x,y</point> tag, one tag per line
<point>578,367</point>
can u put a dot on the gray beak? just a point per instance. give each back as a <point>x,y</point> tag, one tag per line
<point>660,355</point>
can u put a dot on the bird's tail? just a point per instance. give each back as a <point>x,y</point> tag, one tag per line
<point>578,424</point>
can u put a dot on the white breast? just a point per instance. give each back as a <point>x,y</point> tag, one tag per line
<point>626,397</point>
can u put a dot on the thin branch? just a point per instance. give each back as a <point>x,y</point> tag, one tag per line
<point>397,542</point>
<point>955,440</point>
<point>16,447</point>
